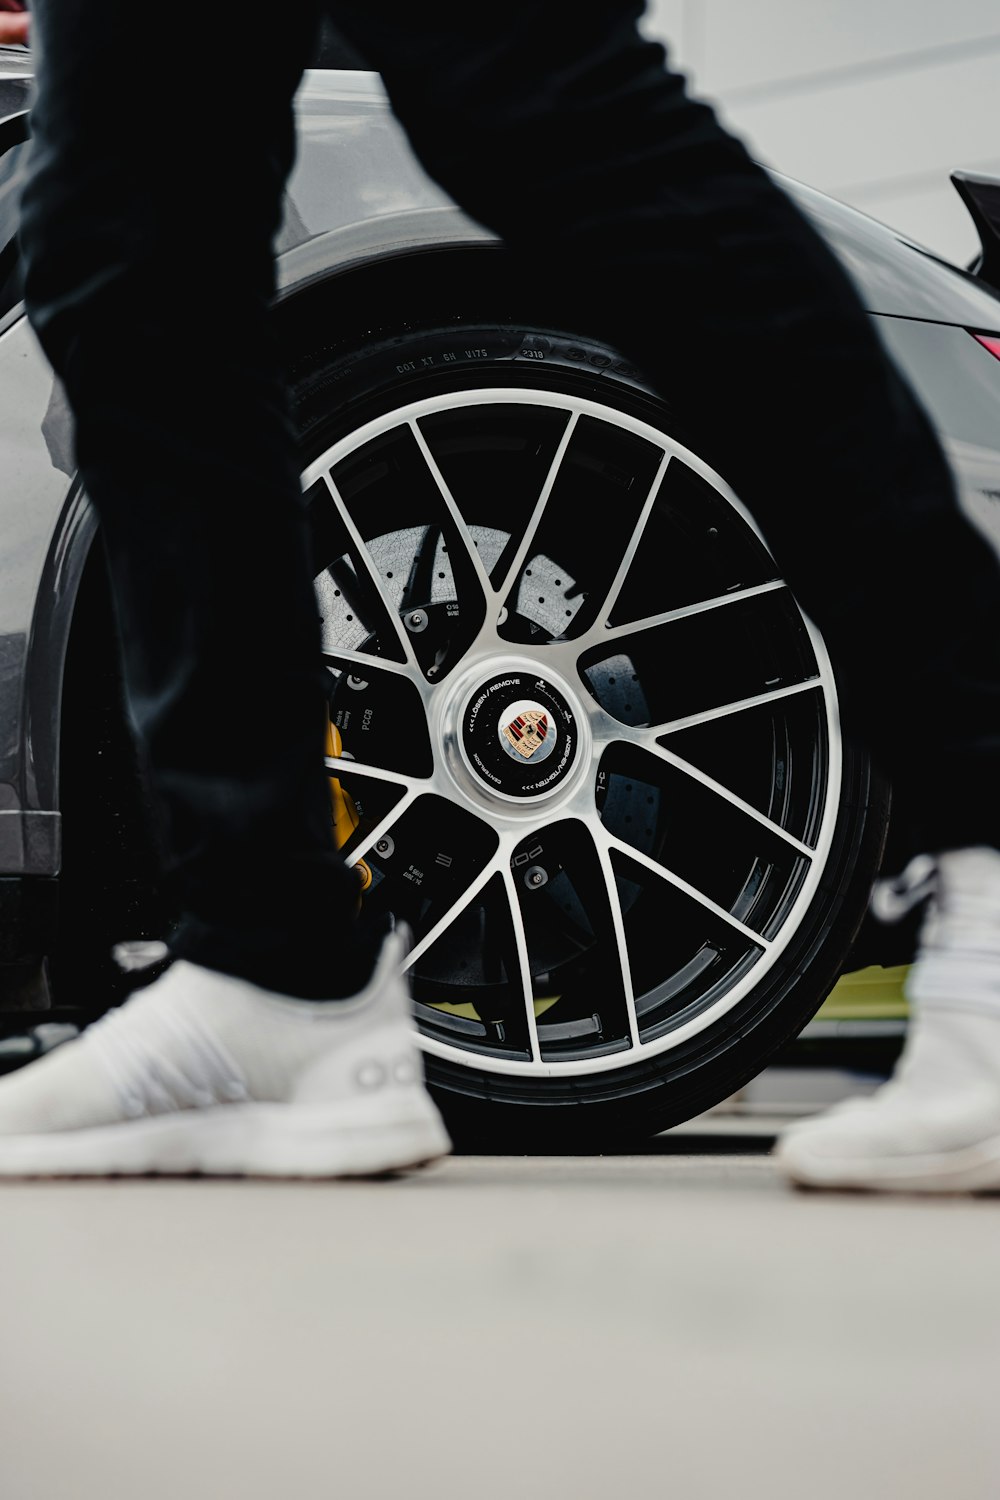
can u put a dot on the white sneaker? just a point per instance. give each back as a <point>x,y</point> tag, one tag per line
<point>202,1073</point>
<point>935,1127</point>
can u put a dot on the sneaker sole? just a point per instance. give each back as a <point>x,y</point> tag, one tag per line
<point>974,1169</point>
<point>237,1140</point>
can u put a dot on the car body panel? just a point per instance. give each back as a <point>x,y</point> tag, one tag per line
<point>35,602</point>
<point>358,196</point>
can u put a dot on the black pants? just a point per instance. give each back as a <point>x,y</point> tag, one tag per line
<point>564,131</point>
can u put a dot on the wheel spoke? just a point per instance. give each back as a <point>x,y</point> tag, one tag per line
<point>706,715</point>
<point>523,962</point>
<point>660,752</point>
<point>535,519</point>
<point>364,560</point>
<point>655,868</point>
<point>618,582</point>
<point>383,825</point>
<point>341,657</point>
<point>604,635</point>
<point>343,765</point>
<point>458,520</point>
<point>472,890</point>
<point>621,945</point>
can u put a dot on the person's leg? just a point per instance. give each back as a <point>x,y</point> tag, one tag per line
<point>147,227</point>
<point>568,135</point>
<point>156,189</point>
<point>935,1127</point>
<point>646,221</point>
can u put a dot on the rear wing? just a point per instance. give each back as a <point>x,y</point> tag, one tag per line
<point>981,196</point>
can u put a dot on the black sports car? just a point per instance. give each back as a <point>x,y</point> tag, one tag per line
<point>599,771</point>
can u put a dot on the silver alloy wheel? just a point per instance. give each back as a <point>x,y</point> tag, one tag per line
<point>514,730</point>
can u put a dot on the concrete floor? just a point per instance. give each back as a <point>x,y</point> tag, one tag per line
<point>662,1324</point>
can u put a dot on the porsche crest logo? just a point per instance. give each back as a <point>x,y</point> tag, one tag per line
<point>526,732</point>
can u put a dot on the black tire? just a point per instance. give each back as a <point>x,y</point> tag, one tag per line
<point>336,391</point>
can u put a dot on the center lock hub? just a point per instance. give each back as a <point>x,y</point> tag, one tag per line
<point>519,735</point>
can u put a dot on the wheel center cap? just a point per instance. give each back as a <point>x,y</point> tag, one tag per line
<point>519,735</point>
<point>525,731</point>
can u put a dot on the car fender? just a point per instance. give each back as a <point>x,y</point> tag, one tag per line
<point>415,231</point>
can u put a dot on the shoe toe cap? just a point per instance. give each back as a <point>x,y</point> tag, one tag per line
<point>819,1150</point>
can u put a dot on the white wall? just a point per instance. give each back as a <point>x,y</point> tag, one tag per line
<point>874,101</point>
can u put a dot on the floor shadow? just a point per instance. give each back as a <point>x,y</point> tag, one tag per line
<point>688,1144</point>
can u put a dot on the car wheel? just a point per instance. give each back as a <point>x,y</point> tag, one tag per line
<point>590,743</point>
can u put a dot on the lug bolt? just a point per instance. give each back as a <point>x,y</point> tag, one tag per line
<point>535,877</point>
<point>385,847</point>
<point>416,620</point>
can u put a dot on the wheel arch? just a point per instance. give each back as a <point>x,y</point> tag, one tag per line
<point>379,276</point>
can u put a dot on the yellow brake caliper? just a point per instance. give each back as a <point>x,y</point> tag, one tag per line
<point>345,814</point>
